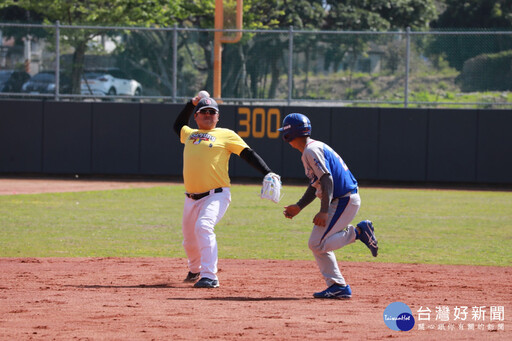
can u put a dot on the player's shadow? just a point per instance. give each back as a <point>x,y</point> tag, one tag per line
<point>236,298</point>
<point>138,286</point>
<point>170,286</point>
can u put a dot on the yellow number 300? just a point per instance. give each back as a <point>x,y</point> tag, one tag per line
<point>259,121</point>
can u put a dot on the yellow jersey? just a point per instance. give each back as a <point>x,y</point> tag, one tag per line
<point>206,157</point>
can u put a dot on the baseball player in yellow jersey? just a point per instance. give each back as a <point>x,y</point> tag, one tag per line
<point>207,184</point>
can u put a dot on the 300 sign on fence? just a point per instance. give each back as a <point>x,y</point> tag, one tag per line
<point>259,122</point>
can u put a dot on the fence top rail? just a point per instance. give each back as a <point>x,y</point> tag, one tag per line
<point>262,101</point>
<point>291,29</point>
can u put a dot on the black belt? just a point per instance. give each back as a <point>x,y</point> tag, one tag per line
<point>197,196</point>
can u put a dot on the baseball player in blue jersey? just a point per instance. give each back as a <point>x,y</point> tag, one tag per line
<point>333,183</point>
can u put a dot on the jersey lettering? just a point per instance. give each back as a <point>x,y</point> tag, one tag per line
<point>198,137</point>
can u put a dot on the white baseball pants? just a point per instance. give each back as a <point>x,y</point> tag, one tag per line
<point>198,226</point>
<point>336,234</point>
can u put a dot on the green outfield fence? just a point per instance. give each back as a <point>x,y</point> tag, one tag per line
<point>435,69</point>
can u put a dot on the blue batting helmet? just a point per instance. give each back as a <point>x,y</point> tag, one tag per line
<point>295,125</point>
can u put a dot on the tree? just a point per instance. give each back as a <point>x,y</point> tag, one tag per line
<point>20,34</point>
<point>17,14</point>
<point>376,15</point>
<point>480,14</point>
<point>266,53</point>
<point>98,12</point>
<point>253,60</point>
<point>467,15</point>
<point>379,15</point>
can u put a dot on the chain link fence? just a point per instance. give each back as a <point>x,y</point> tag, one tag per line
<point>440,69</point>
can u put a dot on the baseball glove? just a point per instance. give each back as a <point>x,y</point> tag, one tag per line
<point>271,187</point>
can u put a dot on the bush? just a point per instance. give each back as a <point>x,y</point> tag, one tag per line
<point>487,72</point>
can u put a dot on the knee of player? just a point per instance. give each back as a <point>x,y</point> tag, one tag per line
<point>205,224</point>
<point>314,246</point>
<point>187,242</point>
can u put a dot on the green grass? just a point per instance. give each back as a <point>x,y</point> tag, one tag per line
<point>413,226</point>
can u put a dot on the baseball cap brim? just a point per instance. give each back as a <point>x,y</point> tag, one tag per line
<point>207,103</point>
<point>208,107</point>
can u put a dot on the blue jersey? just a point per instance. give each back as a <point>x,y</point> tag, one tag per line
<point>319,159</point>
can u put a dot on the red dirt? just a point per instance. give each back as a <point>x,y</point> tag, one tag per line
<point>145,299</point>
<point>13,186</point>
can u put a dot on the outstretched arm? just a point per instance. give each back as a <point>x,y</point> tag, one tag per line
<point>321,217</point>
<point>252,158</point>
<point>271,185</point>
<point>308,197</point>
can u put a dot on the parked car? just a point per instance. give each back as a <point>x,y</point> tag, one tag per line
<point>12,80</point>
<point>109,82</point>
<point>44,83</point>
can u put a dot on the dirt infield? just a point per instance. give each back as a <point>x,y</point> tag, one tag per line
<point>145,298</point>
<point>11,186</point>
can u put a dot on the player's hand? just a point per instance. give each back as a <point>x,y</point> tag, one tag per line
<point>200,94</point>
<point>320,219</point>
<point>291,211</point>
<point>196,100</point>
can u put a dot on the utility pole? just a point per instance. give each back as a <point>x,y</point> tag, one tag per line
<point>220,38</point>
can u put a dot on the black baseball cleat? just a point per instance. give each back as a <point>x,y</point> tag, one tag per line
<point>207,283</point>
<point>192,277</point>
<point>367,236</point>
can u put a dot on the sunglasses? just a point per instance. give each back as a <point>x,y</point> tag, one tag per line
<point>208,111</point>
